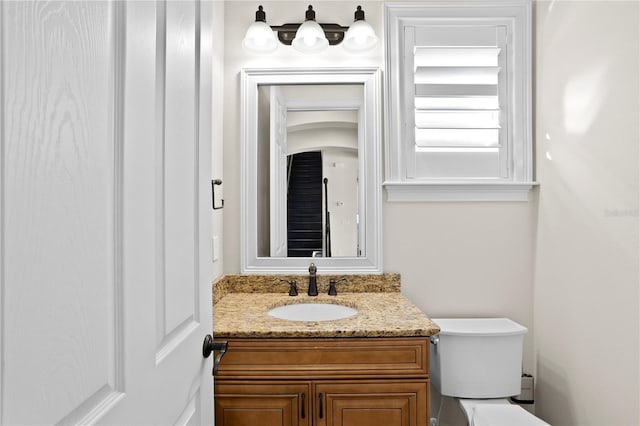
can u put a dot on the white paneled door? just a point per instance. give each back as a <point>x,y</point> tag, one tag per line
<point>105,204</point>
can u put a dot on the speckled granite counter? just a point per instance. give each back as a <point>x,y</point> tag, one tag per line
<point>385,313</point>
<point>356,283</point>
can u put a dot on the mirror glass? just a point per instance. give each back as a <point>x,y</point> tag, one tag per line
<point>308,152</point>
<point>311,184</point>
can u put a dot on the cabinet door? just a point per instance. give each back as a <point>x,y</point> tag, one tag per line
<point>263,403</point>
<point>402,403</point>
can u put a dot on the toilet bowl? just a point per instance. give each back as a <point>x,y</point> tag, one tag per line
<point>478,361</point>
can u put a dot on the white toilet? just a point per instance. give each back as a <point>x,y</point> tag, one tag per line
<point>478,361</point>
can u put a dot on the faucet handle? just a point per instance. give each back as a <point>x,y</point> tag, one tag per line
<point>332,285</point>
<point>293,288</point>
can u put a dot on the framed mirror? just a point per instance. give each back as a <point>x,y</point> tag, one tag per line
<point>311,184</point>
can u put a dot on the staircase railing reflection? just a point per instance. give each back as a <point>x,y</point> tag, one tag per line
<point>327,226</point>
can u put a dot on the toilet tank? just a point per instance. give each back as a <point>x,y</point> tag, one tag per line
<point>477,357</point>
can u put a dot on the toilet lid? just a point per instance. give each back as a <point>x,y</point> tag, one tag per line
<point>504,415</point>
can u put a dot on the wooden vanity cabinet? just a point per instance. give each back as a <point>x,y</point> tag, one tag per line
<point>324,382</point>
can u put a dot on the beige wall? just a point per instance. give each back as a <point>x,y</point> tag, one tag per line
<point>586,284</point>
<point>218,126</point>
<point>456,258</point>
<point>468,259</point>
<point>238,15</point>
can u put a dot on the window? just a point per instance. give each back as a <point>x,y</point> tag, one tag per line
<point>458,110</point>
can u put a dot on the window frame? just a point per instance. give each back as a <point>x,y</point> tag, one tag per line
<point>517,17</point>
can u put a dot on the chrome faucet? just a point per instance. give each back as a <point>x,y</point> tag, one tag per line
<point>313,284</point>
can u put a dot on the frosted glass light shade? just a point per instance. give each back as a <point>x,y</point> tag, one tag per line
<point>260,38</point>
<point>310,38</point>
<point>360,37</point>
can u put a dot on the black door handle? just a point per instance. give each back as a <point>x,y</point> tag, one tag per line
<point>303,402</point>
<point>320,402</point>
<point>209,346</point>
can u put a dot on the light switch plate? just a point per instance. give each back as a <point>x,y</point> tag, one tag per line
<point>215,248</point>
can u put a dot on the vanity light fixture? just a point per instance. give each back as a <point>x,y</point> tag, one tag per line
<point>310,36</point>
<point>360,35</point>
<point>259,37</point>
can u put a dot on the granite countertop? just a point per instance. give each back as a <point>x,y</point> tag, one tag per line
<point>380,314</point>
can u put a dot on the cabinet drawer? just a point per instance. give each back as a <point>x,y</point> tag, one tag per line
<point>347,358</point>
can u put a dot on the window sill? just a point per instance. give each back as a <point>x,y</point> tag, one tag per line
<point>458,191</point>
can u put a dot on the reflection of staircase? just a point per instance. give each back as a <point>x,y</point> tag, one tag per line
<point>304,206</point>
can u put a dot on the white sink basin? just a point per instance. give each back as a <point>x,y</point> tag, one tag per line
<point>312,312</point>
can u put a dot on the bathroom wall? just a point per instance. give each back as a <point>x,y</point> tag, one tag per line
<point>217,132</point>
<point>456,259</point>
<point>579,240</point>
<point>586,274</point>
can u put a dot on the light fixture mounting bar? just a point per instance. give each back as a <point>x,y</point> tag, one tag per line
<point>333,32</point>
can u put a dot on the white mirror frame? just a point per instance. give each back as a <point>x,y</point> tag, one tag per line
<point>369,146</point>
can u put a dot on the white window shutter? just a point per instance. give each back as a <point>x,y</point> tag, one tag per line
<point>458,88</point>
<point>456,110</point>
